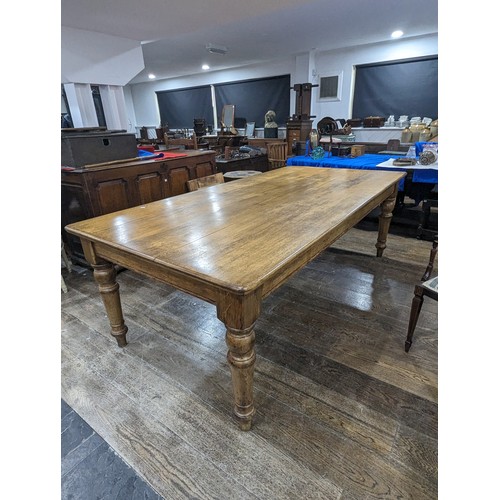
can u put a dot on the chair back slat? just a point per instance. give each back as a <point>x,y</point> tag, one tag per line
<point>202,182</point>
<point>277,154</point>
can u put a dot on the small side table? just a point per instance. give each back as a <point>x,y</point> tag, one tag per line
<point>239,174</point>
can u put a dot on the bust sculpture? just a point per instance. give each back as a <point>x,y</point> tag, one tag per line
<point>270,126</point>
<point>269,120</point>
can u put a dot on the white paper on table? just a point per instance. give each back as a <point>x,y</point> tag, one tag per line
<point>390,164</point>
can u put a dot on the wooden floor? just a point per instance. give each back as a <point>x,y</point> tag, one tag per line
<point>342,411</point>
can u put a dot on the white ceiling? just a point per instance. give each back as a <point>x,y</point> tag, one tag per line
<point>174,33</point>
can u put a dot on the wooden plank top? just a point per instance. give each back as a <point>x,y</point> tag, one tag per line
<point>247,234</point>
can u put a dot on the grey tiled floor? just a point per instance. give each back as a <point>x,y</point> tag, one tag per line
<point>90,468</point>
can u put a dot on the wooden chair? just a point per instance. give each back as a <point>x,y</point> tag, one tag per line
<point>393,145</point>
<point>68,264</point>
<point>277,154</point>
<point>426,230</point>
<point>202,182</point>
<point>427,288</point>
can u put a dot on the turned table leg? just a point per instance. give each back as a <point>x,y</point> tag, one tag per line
<point>105,275</point>
<point>241,358</point>
<point>239,314</point>
<point>384,221</point>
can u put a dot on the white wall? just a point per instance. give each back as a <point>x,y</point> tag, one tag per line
<point>81,104</point>
<point>346,60</point>
<point>98,59</point>
<point>89,58</point>
<point>301,68</point>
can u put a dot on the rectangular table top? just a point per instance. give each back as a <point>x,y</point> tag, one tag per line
<point>241,235</point>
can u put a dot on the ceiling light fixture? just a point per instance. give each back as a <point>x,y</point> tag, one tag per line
<point>151,76</point>
<point>205,67</point>
<point>216,49</point>
<point>397,34</point>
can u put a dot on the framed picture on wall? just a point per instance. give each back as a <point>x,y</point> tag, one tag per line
<point>330,87</point>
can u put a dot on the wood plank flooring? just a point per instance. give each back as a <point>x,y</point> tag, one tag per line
<point>90,468</point>
<point>342,411</point>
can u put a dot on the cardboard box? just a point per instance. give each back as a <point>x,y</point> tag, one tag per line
<point>358,150</point>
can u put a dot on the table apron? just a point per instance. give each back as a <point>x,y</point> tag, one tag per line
<point>194,286</point>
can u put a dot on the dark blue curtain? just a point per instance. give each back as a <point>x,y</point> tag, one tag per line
<point>404,87</point>
<point>254,98</point>
<point>179,108</point>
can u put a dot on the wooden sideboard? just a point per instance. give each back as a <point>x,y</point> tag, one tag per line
<point>260,163</point>
<point>297,130</point>
<point>90,192</point>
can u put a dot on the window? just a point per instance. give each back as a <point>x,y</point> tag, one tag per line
<point>254,98</point>
<point>96,96</point>
<point>179,108</point>
<point>403,87</point>
<point>66,120</point>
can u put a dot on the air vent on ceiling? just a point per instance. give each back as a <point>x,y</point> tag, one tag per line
<point>216,49</point>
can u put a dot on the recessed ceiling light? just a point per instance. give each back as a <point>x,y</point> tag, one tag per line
<point>396,34</point>
<point>205,66</point>
<point>151,76</point>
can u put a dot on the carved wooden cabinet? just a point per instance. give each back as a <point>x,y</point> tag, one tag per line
<point>297,130</point>
<point>90,192</point>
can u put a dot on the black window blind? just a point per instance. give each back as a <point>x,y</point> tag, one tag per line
<point>179,108</point>
<point>254,98</point>
<point>404,87</point>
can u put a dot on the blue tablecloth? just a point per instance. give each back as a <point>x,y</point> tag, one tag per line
<point>364,162</point>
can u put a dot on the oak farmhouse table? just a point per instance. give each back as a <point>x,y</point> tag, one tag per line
<point>233,244</point>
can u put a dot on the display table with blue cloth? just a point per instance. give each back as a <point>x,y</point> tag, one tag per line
<point>368,162</point>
